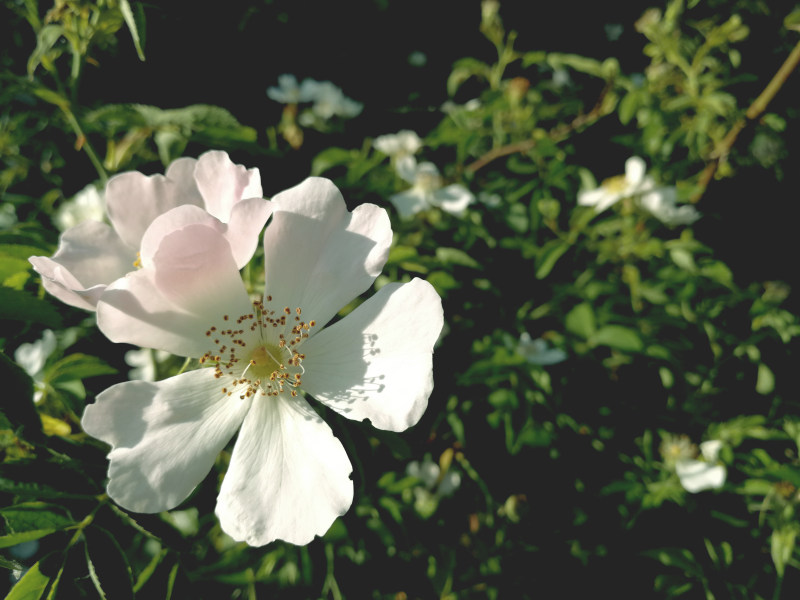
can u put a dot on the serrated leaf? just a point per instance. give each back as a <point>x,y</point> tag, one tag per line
<point>31,587</point>
<point>77,366</point>
<point>108,567</point>
<point>30,516</point>
<point>580,321</point>
<point>134,23</point>
<point>21,306</point>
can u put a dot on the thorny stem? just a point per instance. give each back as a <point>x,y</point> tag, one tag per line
<point>556,135</point>
<point>758,106</point>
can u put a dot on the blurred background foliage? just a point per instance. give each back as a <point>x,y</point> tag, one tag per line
<point>587,355</point>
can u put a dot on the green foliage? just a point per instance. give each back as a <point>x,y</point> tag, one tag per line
<point>587,354</point>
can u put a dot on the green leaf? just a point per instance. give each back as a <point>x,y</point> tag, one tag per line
<point>21,306</point>
<point>134,23</point>
<point>31,516</point>
<point>31,587</point>
<point>548,257</point>
<point>456,257</point>
<point>765,383</point>
<point>12,539</point>
<point>618,337</point>
<point>18,390</point>
<point>442,281</point>
<point>45,40</point>
<point>77,366</point>
<point>463,69</point>
<point>782,545</point>
<point>580,321</point>
<point>330,158</point>
<point>108,567</point>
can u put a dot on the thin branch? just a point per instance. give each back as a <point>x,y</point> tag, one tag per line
<point>559,133</point>
<point>758,106</point>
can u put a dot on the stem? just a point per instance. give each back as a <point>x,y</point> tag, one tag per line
<point>84,144</point>
<point>758,106</point>
<point>557,134</point>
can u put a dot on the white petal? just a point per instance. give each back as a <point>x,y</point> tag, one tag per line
<point>376,363</point>
<point>453,199</point>
<point>192,284</point>
<point>406,167</point>
<point>696,475</point>
<point>409,203</point>
<point>317,255</point>
<point>288,478</point>
<point>165,436</point>
<point>134,200</point>
<point>634,170</point>
<point>710,449</point>
<point>89,257</point>
<point>598,197</point>
<point>223,183</point>
<point>247,220</point>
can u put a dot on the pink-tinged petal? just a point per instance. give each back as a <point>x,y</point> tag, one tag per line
<point>377,362</point>
<point>223,183</point>
<point>318,255</point>
<point>164,436</point>
<point>248,218</point>
<point>409,203</point>
<point>194,268</point>
<point>289,477</point>
<point>453,199</point>
<point>90,256</point>
<point>171,221</point>
<point>134,200</point>
<point>192,284</point>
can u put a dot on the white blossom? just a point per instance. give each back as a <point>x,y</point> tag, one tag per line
<point>662,204</point>
<point>86,205</point>
<point>93,254</point>
<point>537,352</point>
<point>612,190</point>
<point>427,191</point>
<point>288,477</point>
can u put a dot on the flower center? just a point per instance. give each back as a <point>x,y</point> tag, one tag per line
<point>616,184</point>
<point>261,354</point>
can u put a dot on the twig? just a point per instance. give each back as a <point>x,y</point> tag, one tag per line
<point>556,135</point>
<point>758,106</point>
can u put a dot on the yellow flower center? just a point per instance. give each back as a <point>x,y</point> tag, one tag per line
<point>270,365</point>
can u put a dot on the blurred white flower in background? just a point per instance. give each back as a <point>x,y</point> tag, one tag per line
<point>290,92</point>
<point>144,362</point>
<point>87,205</point>
<point>706,474</point>
<point>436,482</point>
<point>401,148</point>
<point>537,352</point>
<point>426,191</point>
<point>328,99</point>
<point>8,215</point>
<point>32,357</point>
<point>614,189</point>
<point>662,204</point>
